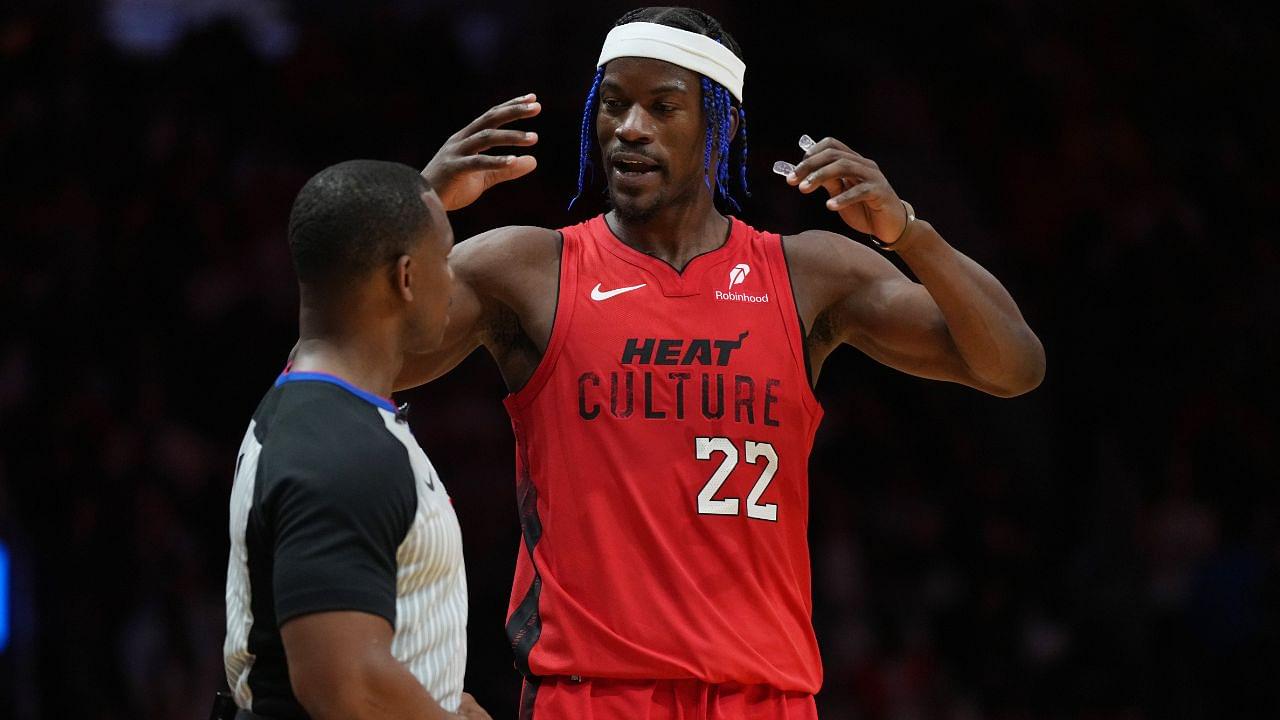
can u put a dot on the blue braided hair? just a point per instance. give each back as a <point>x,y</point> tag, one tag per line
<point>584,140</point>
<point>707,112</point>
<point>717,106</point>
<point>713,119</point>
<point>722,168</point>
<point>717,102</point>
<point>742,153</point>
<point>723,175</point>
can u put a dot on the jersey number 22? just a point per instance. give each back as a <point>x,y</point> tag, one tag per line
<point>709,504</point>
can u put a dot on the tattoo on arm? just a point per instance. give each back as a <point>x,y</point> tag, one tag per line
<point>823,334</point>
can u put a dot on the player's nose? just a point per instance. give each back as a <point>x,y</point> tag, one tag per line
<point>635,127</point>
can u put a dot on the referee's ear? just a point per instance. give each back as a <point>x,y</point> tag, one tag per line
<point>402,277</point>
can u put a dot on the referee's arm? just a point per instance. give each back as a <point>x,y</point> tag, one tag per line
<point>340,666</point>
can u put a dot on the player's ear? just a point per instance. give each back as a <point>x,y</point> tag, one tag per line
<point>402,277</point>
<point>734,120</point>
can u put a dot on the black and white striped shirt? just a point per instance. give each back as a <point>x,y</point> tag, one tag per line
<point>336,507</point>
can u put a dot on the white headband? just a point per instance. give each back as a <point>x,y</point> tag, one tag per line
<point>689,50</point>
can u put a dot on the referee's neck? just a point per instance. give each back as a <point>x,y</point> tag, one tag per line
<point>362,364</point>
<point>357,335</point>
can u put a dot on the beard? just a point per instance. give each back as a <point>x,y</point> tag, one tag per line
<point>636,210</point>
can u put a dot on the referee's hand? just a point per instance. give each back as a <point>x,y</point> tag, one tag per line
<point>469,709</point>
<point>461,171</point>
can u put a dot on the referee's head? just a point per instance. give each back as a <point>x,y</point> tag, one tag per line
<point>369,241</point>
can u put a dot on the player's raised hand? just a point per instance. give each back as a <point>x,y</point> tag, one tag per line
<point>857,188</point>
<point>461,171</point>
<point>469,709</point>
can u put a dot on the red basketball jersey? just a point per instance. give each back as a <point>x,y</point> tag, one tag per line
<point>662,450</point>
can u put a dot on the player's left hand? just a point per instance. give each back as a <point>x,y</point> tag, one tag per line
<point>461,171</point>
<point>857,189</point>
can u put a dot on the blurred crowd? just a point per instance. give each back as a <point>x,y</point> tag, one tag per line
<point>1105,547</point>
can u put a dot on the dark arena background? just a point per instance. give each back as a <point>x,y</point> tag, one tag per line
<point>1104,547</point>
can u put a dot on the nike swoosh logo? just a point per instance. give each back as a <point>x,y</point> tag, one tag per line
<point>597,294</point>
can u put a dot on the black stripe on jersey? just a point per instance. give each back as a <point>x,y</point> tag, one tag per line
<point>528,696</point>
<point>527,503</point>
<point>524,627</point>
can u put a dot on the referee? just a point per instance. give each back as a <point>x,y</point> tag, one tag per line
<point>346,592</point>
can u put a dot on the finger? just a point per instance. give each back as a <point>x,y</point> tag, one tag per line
<point>814,160</point>
<point>854,195</point>
<point>472,163</point>
<point>813,163</point>
<point>845,169</point>
<point>519,167</point>
<point>512,104</point>
<point>834,144</point>
<point>490,138</point>
<point>833,186</point>
<point>519,108</point>
<point>828,143</point>
<point>498,168</point>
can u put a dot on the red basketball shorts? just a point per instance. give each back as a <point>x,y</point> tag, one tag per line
<point>562,698</point>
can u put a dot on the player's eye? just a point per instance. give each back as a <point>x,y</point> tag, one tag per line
<point>666,108</point>
<point>611,103</point>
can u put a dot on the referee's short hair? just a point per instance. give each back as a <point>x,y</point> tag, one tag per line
<point>353,217</point>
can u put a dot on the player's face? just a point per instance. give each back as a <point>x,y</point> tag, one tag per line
<point>432,280</point>
<point>652,134</point>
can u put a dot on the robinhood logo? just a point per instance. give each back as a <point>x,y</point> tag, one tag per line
<point>738,276</point>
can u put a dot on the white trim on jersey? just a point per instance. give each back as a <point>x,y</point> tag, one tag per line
<point>235,650</point>
<point>431,584</point>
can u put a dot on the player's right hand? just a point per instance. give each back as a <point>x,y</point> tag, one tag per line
<point>469,709</point>
<point>461,171</point>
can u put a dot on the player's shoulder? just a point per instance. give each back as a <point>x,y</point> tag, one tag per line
<point>828,254</point>
<point>518,245</point>
<point>509,263</point>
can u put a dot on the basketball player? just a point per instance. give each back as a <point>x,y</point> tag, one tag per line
<point>346,593</point>
<point>661,359</point>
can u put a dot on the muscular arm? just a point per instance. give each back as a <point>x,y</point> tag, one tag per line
<point>500,277</point>
<point>958,324</point>
<point>341,667</point>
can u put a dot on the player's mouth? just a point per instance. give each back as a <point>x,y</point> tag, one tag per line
<point>631,167</point>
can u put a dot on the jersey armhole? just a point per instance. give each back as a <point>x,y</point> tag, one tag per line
<point>791,320</point>
<point>565,292</point>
